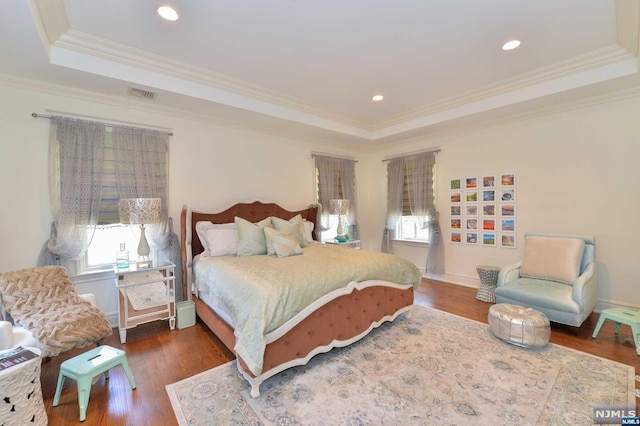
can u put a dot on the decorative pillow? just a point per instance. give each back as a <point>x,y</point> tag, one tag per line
<point>308,232</point>
<point>251,240</point>
<point>283,245</point>
<point>550,258</point>
<point>217,239</point>
<point>292,227</point>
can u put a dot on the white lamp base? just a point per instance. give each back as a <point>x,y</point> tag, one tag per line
<point>143,251</point>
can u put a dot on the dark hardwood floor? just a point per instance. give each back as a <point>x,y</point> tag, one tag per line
<point>159,357</point>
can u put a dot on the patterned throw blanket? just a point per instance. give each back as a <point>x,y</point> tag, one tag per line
<point>44,301</point>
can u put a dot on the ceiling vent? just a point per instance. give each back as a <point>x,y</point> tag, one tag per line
<point>142,93</point>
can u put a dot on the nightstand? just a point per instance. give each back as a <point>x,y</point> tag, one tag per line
<point>351,243</point>
<point>144,295</point>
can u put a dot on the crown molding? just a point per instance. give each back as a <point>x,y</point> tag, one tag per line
<point>590,61</point>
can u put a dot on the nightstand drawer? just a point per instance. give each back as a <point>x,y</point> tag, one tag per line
<point>142,277</point>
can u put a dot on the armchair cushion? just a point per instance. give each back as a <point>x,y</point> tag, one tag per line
<point>546,294</point>
<point>551,258</point>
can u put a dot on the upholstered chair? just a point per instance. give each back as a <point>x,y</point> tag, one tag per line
<point>557,276</point>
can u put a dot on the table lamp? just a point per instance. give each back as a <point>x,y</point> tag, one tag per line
<point>141,211</point>
<point>341,208</point>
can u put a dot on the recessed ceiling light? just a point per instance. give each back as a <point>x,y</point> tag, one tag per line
<point>510,45</point>
<point>377,98</point>
<point>168,13</point>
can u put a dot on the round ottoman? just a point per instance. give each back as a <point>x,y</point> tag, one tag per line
<point>519,326</point>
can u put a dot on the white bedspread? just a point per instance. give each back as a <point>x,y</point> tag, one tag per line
<point>260,293</point>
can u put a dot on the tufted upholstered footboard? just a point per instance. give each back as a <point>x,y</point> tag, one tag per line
<point>338,322</point>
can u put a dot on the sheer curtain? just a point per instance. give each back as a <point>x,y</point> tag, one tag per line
<point>140,160</point>
<point>75,182</point>
<point>336,179</point>
<point>395,187</point>
<point>420,171</point>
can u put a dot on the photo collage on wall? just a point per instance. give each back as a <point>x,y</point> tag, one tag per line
<point>483,210</point>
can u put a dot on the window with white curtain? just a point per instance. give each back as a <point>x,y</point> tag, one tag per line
<point>335,179</point>
<point>92,166</point>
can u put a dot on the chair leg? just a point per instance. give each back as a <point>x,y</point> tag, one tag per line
<point>56,398</point>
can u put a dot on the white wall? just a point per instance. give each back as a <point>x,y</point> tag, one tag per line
<point>577,172</point>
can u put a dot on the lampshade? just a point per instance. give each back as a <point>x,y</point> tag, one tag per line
<point>140,210</point>
<point>339,206</point>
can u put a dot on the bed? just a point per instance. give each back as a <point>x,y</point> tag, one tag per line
<point>336,316</point>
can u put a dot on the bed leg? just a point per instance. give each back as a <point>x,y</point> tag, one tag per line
<point>255,390</point>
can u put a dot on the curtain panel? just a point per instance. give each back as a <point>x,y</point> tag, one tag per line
<point>336,179</point>
<point>80,182</point>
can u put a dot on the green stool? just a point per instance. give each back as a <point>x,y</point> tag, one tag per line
<point>626,316</point>
<point>84,367</point>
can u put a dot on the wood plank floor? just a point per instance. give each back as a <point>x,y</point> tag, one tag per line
<point>159,357</point>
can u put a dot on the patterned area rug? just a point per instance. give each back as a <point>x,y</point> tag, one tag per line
<point>426,368</point>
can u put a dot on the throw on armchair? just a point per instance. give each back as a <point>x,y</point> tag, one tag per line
<point>43,301</point>
<point>556,276</point>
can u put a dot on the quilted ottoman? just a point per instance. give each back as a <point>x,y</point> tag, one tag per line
<point>519,325</point>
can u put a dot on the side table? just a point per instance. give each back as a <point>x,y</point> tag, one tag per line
<point>488,283</point>
<point>21,393</point>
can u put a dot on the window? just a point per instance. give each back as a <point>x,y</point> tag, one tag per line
<point>335,179</point>
<point>92,166</point>
<point>410,198</point>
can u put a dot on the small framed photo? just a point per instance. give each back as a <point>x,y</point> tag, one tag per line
<point>508,179</point>
<point>489,181</point>
<point>471,238</point>
<point>508,225</point>
<point>456,210</point>
<point>488,224</point>
<point>508,240</point>
<point>471,224</point>
<point>472,196</point>
<point>455,184</point>
<point>508,195</point>
<point>489,239</point>
<point>471,183</point>
<point>508,210</point>
<point>488,210</point>
<point>456,197</point>
<point>472,210</point>
<point>456,223</point>
<point>456,237</point>
<point>488,196</point>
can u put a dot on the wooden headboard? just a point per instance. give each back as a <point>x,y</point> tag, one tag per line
<point>253,212</point>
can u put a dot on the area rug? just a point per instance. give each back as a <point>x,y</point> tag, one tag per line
<point>426,368</point>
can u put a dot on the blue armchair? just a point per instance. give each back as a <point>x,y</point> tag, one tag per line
<point>556,276</point>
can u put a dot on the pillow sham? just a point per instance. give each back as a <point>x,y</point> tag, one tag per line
<point>292,227</point>
<point>283,245</point>
<point>217,239</point>
<point>308,231</point>
<point>251,239</point>
<point>552,258</point>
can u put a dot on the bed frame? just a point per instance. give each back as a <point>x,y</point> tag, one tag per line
<point>338,319</point>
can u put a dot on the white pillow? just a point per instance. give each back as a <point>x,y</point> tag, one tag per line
<point>308,231</point>
<point>552,258</point>
<point>292,227</point>
<point>217,239</point>
<point>283,245</point>
<point>251,239</point>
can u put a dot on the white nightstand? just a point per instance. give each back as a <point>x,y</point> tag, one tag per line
<point>351,243</point>
<point>145,295</point>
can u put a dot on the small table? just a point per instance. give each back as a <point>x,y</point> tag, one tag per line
<point>144,295</point>
<point>488,283</point>
<point>351,243</point>
<point>619,316</point>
